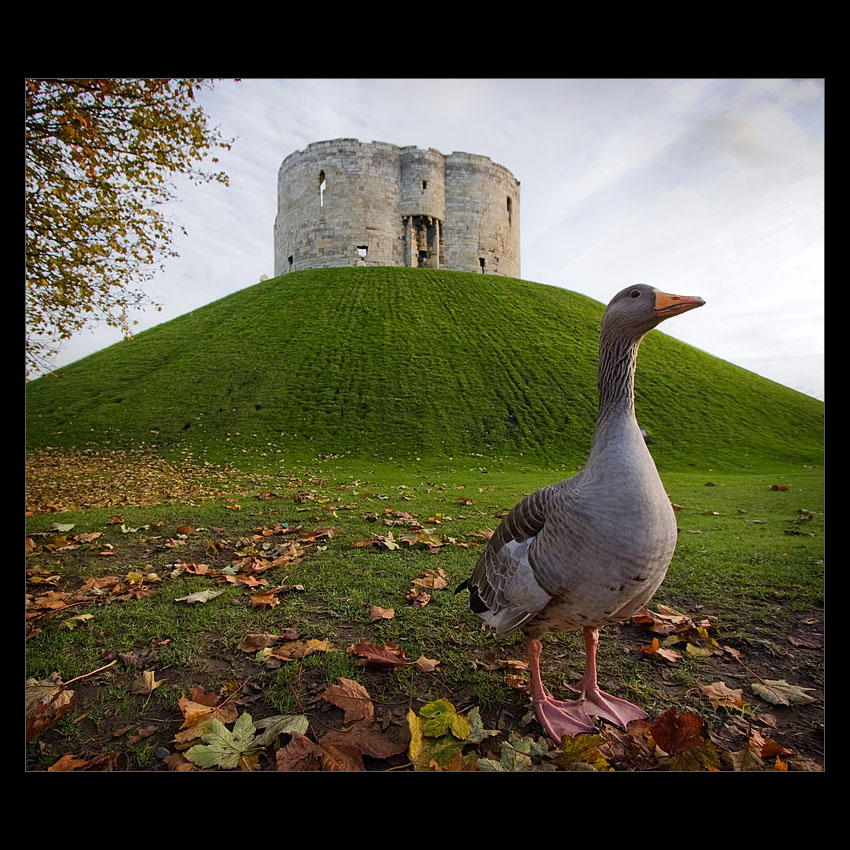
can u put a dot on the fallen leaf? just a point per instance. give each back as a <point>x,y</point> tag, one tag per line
<point>675,734</point>
<point>147,683</point>
<point>352,698</point>
<point>280,724</point>
<point>143,733</point>
<point>426,665</point>
<point>68,762</point>
<point>221,747</point>
<point>655,650</point>
<point>722,696</point>
<point>373,656</point>
<point>299,754</point>
<point>809,640</point>
<point>73,622</point>
<point>582,753</point>
<point>378,613</point>
<point>46,701</point>
<point>256,642</point>
<point>265,600</point>
<point>202,596</point>
<point>294,649</point>
<point>344,749</point>
<point>779,692</point>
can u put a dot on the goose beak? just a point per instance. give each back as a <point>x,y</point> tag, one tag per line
<point>667,305</point>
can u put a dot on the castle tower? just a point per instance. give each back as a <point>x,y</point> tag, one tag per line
<point>347,203</point>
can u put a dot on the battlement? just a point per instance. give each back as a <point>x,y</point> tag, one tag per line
<point>345,203</point>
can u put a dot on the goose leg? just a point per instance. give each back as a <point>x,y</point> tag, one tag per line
<point>557,718</point>
<point>596,702</point>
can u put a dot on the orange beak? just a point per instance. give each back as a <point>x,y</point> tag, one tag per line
<point>667,305</point>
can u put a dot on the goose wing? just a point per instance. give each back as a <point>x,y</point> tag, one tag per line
<point>503,588</point>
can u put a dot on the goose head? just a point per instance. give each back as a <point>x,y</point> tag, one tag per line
<point>636,310</point>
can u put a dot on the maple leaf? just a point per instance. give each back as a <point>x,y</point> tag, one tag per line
<point>432,579</point>
<point>439,734</point>
<point>197,714</point>
<point>675,734</point>
<point>581,753</point>
<point>517,754</point>
<point>779,692</point>
<point>352,698</point>
<point>682,739</point>
<point>441,717</point>
<point>147,683</point>
<point>745,759</point>
<point>223,748</point>
<point>68,762</point>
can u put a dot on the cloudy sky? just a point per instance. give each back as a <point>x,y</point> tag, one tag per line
<point>711,187</point>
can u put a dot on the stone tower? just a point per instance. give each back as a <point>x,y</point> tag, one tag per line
<point>347,203</point>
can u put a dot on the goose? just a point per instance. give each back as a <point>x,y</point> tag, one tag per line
<point>591,550</point>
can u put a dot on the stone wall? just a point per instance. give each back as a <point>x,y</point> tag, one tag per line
<point>346,203</point>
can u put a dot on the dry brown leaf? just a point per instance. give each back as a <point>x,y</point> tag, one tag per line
<point>722,696</point>
<point>265,600</point>
<point>374,656</point>
<point>352,698</point>
<point>299,754</point>
<point>69,762</point>
<point>426,665</point>
<point>655,650</point>
<point>147,683</point>
<point>432,579</point>
<point>294,649</point>
<point>676,735</point>
<point>256,642</point>
<point>344,749</point>
<point>378,613</point>
<point>46,702</point>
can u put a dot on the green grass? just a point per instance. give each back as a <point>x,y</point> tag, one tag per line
<point>753,579</point>
<point>392,363</point>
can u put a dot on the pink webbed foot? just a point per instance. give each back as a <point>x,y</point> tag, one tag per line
<point>563,718</point>
<point>618,711</point>
<point>572,718</point>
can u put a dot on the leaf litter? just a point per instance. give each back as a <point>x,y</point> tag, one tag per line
<point>441,737</point>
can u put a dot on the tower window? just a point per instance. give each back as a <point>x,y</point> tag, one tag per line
<point>424,184</point>
<point>289,260</point>
<point>323,184</point>
<point>510,211</point>
<point>361,251</point>
<point>481,263</point>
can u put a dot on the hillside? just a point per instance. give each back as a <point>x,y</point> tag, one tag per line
<point>403,362</point>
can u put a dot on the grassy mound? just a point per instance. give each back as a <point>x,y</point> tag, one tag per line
<point>395,362</point>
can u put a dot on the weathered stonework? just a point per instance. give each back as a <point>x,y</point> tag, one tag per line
<point>347,203</point>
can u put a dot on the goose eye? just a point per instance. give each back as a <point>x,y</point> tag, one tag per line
<point>635,293</point>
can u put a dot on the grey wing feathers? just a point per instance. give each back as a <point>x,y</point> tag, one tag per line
<point>503,588</point>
